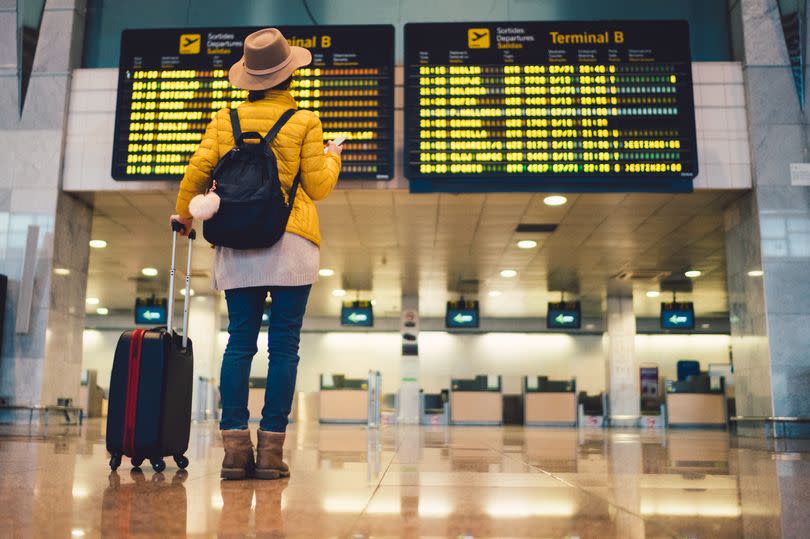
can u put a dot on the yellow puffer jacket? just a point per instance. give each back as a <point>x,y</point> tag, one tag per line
<point>298,146</point>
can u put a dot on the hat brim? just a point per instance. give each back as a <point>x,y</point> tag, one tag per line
<point>240,78</point>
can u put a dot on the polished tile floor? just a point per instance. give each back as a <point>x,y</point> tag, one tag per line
<point>415,482</point>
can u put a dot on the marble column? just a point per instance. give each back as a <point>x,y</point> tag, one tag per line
<point>44,363</point>
<point>622,368</point>
<point>769,230</point>
<point>409,362</point>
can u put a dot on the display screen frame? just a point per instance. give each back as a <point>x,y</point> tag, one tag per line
<point>383,35</point>
<point>357,309</point>
<point>555,310</point>
<point>436,34</point>
<point>463,309</point>
<point>142,308</point>
<point>670,309</point>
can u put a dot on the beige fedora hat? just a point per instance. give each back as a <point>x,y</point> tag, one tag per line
<point>268,60</point>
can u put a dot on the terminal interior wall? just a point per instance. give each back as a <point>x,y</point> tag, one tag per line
<point>450,355</point>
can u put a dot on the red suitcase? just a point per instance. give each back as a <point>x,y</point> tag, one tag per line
<point>149,413</point>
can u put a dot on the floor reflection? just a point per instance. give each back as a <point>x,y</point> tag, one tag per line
<point>410,482</point>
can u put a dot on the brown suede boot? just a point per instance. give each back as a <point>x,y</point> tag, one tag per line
<point>269,454</point>
<point>238,462</point>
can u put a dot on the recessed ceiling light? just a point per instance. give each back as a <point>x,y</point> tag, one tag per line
<point>508,273</point>
<point>326,272</point>
<point>756,273</point>
<point>555,200</point>
<point>103,311</point>
<point>338,292</point>
<point>494,293</point>
<point>190,292</point>
<point>61,271</point>
<point>98,244</point>
<point>149,272</point>
<point>526,244</point>
<point>692,274</point>
<point>92,301</point>
<point>653,293</point>
<point>77,532</point>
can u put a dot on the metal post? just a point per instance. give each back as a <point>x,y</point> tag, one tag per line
<point>378,400</point>
<point>371,412</point>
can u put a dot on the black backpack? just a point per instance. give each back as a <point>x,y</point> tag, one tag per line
<point>252,213</point>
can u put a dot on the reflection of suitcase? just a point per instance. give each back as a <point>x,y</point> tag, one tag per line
<point>149,414</point>
<point>130,509</point>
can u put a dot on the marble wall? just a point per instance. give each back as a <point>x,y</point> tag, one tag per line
<point>771,227</point>
<point>622,366</point>
<point>45,363</point>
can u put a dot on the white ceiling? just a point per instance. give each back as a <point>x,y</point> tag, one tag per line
<point>390,241</point>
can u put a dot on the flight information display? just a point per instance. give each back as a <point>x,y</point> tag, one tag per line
<point>171,82</point>
<point>590,105</point>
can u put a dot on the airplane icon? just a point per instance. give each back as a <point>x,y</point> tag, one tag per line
<point>478,38</point>
<point>190,43</point>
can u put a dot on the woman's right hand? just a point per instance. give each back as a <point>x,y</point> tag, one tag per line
<point>334,148</point>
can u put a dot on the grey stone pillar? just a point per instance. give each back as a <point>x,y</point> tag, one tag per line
<point>409,363</point>
<point>769,230</point>
<point>622,367</point>
<point>44,362</point>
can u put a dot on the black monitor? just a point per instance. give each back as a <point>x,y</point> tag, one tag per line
<point>357,313</point>
<point>462,314</point>
<point>151,311</point>
<point>677,315</point>
<point>564,315</point>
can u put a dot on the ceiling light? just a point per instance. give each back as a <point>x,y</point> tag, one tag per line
<point>653,293</point>
<point>508,273</point>
<point>326,272</point>
<point>494,293</point>
<point>98,244</point>
<point>149,272</point>
<point>103,311</point>
<point>61,271</point>
<point>692,274</point>
<point>77,532</point>
<point>555,200</point>
<point>92,301</point>
<point>190,292</point>
<point>526,244</point>
<point>756,273</point>
<point>338,292</point>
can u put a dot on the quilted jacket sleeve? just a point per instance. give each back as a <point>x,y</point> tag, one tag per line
<point>198,173</point>
<point>319,172</point>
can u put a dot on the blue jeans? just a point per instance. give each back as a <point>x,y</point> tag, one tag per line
<point>245,309</point>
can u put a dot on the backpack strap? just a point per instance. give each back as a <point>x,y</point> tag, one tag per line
<point>237,129</point>
<point>268,138</point>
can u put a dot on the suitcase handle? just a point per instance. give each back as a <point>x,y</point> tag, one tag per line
<point>192,235</point>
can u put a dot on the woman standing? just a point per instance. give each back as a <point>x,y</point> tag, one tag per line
<point>286,270</point>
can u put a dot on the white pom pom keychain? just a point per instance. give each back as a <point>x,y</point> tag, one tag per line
<point>204,207</point>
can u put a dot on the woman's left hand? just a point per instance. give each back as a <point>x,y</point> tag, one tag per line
<point>185,222</point>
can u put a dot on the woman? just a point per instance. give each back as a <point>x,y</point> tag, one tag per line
<point>286,270</point>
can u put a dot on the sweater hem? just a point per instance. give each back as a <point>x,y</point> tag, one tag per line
<point>285,279</point>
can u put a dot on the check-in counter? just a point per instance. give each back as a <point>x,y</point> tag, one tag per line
<point>343,400</point>
<point>256,389</point>
<point>433,408</point>
<point>476,402</point>
<point>549,402</point>
<point>696,402</point>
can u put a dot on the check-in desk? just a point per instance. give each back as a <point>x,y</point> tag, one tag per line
<point>476,402</point>
<point>256,389</point>
<point>343,400</point>
<point>549,402</point>
<point>694,403</point>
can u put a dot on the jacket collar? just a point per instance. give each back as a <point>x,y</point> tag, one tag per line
<point>283,97</point>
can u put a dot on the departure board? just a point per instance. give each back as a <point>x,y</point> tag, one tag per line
<point>549,106</point>
<point>171,82</point>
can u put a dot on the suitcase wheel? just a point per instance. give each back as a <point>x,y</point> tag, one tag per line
<point>115,462</point>
<point>181,461</point>
<point>136,462</point>
<point>158,465</point>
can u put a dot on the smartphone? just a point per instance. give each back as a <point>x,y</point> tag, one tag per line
<point>338,141</point>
